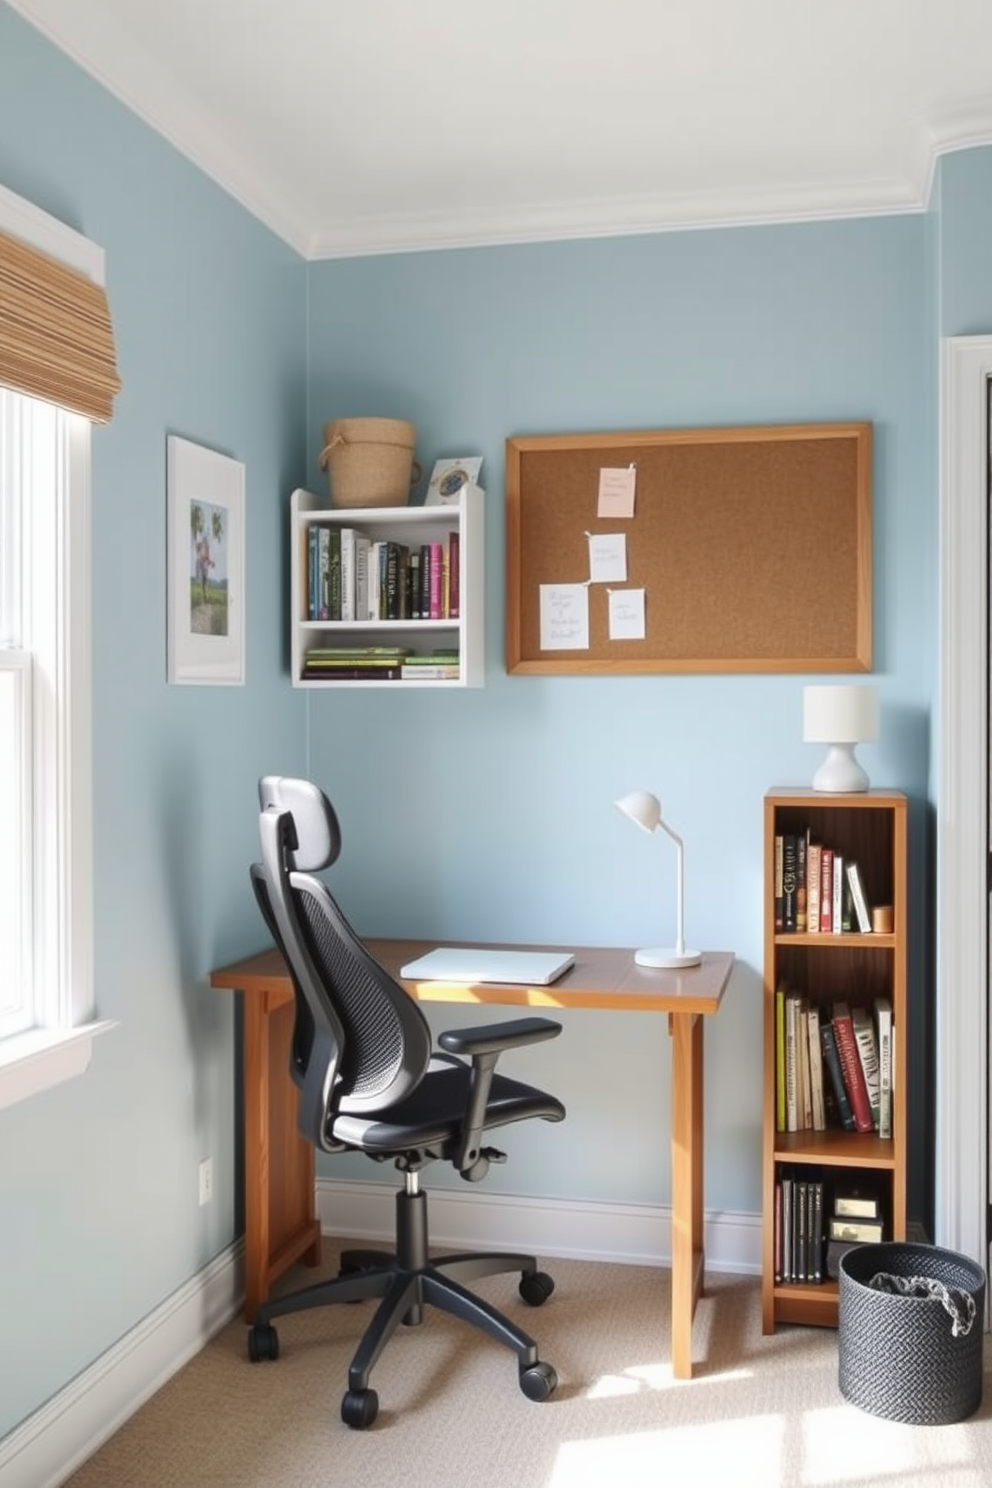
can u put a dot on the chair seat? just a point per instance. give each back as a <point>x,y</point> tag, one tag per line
<point>434,1113</point>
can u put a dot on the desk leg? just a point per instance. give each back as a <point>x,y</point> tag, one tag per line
<point>687,1183</point>
<point>280,1201</point>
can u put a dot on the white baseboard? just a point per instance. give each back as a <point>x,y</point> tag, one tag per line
<point>629,1234</point>
<point>46,1448</point>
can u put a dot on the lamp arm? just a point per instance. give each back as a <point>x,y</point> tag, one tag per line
<point>680,917</point>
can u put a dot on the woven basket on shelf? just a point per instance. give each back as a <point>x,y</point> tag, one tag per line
<point>899,1355</point>
<point>370,461</point>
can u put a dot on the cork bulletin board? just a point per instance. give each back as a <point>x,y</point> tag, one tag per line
<point>747,550</point>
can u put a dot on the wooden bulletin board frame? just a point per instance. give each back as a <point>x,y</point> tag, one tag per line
<point>752,546</point>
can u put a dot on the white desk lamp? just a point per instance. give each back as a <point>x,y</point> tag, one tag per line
<point>645,810</point>
<point>841,717</point>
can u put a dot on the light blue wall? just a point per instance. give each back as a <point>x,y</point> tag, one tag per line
<point>472,814</point>
<point>99,1219</point>
<point>490,813</point>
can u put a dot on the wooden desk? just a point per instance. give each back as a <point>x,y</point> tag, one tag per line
<point>280,1201</point>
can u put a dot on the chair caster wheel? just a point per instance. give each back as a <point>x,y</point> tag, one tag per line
<point>536,1288</point>
<point>359,1409</point>
<point>263,1342</point>
<point>539,1381</point>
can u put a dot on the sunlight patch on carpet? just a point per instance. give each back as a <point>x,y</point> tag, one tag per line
<point>690,1456</point>
<point>841,1447</point>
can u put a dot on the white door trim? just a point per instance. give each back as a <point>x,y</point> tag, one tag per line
<point>961,1021</point>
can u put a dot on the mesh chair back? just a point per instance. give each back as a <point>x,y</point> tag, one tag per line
<point>370,1035</point>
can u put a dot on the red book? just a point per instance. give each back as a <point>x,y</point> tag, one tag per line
<point>850,1063</point>
<point>826,890</point>
<point>454,574</point>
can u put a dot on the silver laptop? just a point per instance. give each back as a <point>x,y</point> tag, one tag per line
<point>468,964</point>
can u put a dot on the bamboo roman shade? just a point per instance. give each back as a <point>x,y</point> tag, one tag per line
<point>56,340</point>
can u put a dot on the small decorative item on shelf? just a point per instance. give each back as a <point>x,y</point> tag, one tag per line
<point>841,717</point>
<point>370,461</point>
<point>450,477</point>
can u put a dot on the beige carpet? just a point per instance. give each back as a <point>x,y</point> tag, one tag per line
<point>760,1411</point>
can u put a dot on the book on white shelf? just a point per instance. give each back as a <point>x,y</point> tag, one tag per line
<point>348,536</point>
<point>861,910</point>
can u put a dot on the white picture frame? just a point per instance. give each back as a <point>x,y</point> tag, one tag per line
<point>206,565</point>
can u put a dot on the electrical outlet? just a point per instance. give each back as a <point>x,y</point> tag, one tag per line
<point>206,1180</point>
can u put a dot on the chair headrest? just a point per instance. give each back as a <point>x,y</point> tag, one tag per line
<point>317,833</point>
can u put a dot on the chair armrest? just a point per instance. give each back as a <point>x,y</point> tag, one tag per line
<point>484,1045</point>
<point>495,1037</point>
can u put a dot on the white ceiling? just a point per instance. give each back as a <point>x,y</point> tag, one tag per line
<point>369,126</point>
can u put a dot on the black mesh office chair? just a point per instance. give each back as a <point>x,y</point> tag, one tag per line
<point>370,1082</point>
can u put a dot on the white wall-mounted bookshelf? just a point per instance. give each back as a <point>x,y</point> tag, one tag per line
<point>411,526</point>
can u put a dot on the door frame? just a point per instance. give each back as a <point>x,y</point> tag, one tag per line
<point>962,992</point>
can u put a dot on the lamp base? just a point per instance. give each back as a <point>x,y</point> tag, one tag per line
<point>840,772</point>
<point>657,957</point>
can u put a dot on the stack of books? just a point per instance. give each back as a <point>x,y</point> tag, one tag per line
<point>380,664</point>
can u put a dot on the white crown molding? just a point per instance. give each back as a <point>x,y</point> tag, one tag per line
<point>133,75</point>
<point>609,217</point>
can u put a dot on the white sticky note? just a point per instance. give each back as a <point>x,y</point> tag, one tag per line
<point>616,491</point>
<point>608,557</point>
<point>626,614</point>
<point>564,617</point>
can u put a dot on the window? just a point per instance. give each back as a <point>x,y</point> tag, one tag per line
<point>46,933</point>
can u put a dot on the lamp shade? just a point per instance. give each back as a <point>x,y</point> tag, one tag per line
<point>843,714</point>
<point>643,808</point>
<point>840,716</point>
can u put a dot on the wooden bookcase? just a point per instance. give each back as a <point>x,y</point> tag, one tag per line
<point>411,525</point>
<point>870,829</point>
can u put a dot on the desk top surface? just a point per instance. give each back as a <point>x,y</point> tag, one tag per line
<point>602,977</point>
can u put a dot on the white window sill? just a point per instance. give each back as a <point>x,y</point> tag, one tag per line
<point>36,1061</point>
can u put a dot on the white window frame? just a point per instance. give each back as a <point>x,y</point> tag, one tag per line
<point>58,1043</point>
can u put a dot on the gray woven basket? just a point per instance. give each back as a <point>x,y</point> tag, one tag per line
<point>899,1356</point>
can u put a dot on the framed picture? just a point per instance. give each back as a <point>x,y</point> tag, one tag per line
<point>206,565</point>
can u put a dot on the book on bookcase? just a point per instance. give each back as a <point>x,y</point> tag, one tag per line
<point>789,864</point>
<point>777,890</point>
<point>850,1064</point>
<point>837,917</point>
<point>831,1063</point>
<point>780,1058</point>
<point>826,890</point>
<point>864,1036</point>
<point>814,854</point>
<point>883,1033</point>
<point>818,1105</point>
<point>802,918</point>
<point>861,907</point>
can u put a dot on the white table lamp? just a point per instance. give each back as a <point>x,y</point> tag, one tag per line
<point>645,810</point>
<point>840,717</point>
